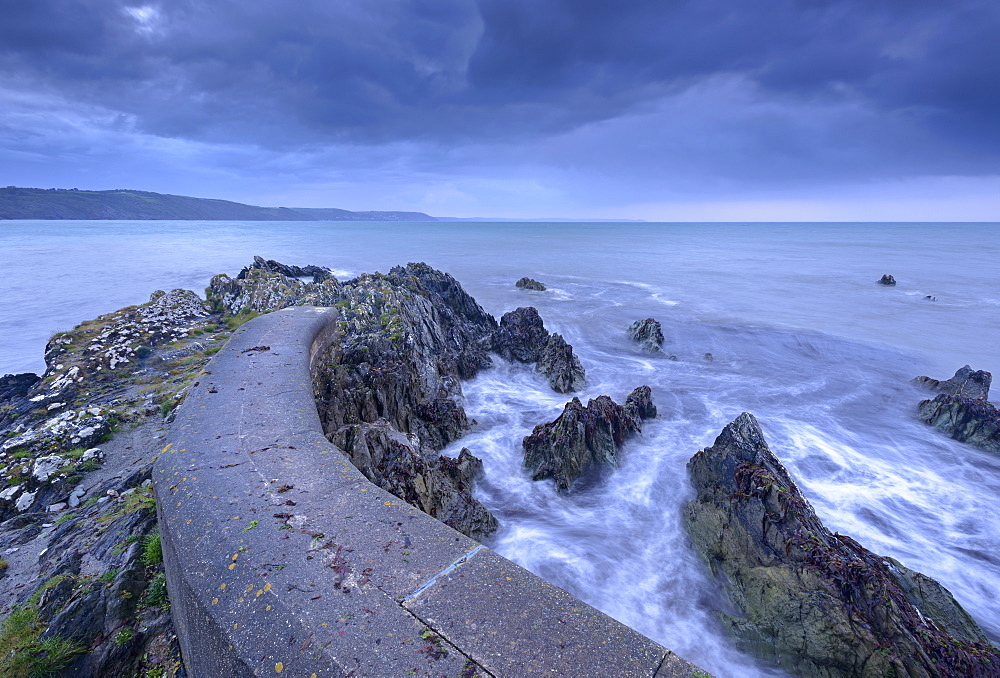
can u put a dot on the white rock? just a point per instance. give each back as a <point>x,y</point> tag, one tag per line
<point>113,494</point>
<point>9,493</point>
<point>92,453</point>
<point>54,406</point>
<point>57,507</point>
<point>47,466</point>
<point>25,500</point>
<point>73,501</point>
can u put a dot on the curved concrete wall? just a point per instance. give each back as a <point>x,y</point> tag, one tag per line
<point>282,558</point>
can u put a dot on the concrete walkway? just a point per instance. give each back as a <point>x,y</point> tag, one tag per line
<point>282,558</point>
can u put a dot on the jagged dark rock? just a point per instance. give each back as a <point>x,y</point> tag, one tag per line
<point>582,437</point>
<point>814,602</point>
<point>886,279</point>
<point>317,273</point>
<point>967,383</point>
<point>15,386</point>
<point>522,337</point>
<point>407,338</point>
<point>529,284</point>
<point>648,333</point>
<point>967,420</point>
<point>439,486</point>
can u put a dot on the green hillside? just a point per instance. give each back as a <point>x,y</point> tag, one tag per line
<point>54,203</point>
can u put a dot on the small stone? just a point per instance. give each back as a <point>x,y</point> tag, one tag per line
<point>57,507</point>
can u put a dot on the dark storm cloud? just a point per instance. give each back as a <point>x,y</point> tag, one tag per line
<point>763,90</point>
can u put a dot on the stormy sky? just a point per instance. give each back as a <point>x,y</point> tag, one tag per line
<point>647,109</point>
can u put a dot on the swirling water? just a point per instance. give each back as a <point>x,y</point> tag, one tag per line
<point>799,335</point>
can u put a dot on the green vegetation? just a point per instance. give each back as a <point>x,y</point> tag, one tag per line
<point>23,655</point>
<point>156,592</point>
<point>152,550</point>
<point>123,637</point>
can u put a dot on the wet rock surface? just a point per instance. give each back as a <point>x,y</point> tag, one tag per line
<point>887,279</point>
<point>961,409</point>
<point>648,333</point>
<point>584,437</point>
<point>967,420</point>
<point>967,383</point>
<point>529,284</point>
<point>522,337</point>
<point>814,602</point>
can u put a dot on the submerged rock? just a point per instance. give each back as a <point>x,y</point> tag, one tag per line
<point>967,420</point>
<point>814,602</point>
<point>522,337</point>
<point>582,437</point>
<point>648,333</point>
<point>529,284</point>
<point>967,382</point>
<point>886,279</point>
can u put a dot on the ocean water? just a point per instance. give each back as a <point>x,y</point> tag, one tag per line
<point>799,333</point>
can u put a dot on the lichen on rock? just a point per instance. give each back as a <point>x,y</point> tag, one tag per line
<point>814,602</point>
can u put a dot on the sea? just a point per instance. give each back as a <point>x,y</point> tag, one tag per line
<point>783,320</point>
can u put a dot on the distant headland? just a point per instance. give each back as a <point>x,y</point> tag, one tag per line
<point>127,204</point>
<point>59,203</point>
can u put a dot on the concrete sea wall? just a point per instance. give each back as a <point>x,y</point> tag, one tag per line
<point>282,558</point>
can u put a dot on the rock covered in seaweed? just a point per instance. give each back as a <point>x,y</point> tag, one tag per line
<point>648,333</point>
<point>582,437</point>
<point>967,383</point>
<point>529,284</point>
<point>522,337</point>
<point>815,602</point>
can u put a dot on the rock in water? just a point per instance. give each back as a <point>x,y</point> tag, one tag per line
<point>529,284</point>
<point>967,382</point>
<point>582,437</point>
<point>886,279</point>
<point>814,602</point>
<point>967,420</point>
<point>522,337</point>
<point>648,333</point>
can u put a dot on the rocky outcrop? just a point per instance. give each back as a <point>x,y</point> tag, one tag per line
<point>967,383</point>
<point>522,337</point>
<point>82,578</point>
<point>317,273</point>
<point>529,284</point>
<point>407,338</point>
<point>817,603</point>
<point>440,487</point>
<point>583,437</point>
<point>886,279</point>
<point>648,333</point>
<point>967,420</point>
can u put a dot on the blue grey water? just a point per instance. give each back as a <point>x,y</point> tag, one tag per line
<point>800,334</point>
